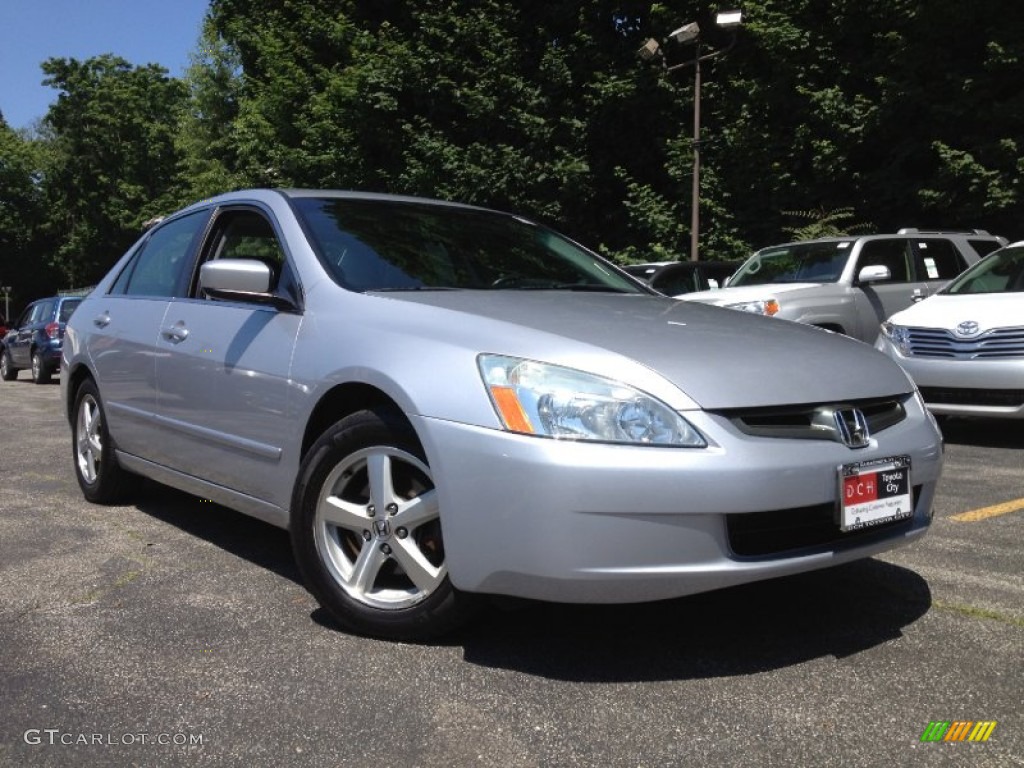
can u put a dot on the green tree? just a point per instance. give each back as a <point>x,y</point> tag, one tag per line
<point>113,158</point>
<point>206,138</point>
<point>22,266</point>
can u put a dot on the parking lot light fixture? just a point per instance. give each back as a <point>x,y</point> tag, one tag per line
<point>689,34</point>
<point>729,19</point>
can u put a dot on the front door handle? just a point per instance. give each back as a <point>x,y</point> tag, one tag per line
<point>176,333</point>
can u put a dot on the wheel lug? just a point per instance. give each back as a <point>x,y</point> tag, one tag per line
<point>367,536</point>
<point>391,508</point>
<point>371,510</point>
<point>401,533</point>
<point>385,548</point>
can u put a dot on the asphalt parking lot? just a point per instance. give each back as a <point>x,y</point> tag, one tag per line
<point>176,632</point>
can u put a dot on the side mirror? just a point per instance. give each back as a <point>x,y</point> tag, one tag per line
<point>874,273</point>
<point>239,280</point>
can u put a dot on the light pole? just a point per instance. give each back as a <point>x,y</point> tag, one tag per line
<point>690,33</point>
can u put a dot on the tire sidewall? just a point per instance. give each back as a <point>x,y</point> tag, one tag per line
<point>107,487</point>
<point>7,369</point>
<point>40,373</point>
<point>437,613</point>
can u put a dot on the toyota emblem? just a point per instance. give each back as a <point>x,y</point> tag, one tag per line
<point>967,328</point>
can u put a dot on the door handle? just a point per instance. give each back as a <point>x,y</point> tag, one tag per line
<point>101,321</point>
<point>176,333</point>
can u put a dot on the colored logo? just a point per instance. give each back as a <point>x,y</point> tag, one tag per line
<point>958,730</point>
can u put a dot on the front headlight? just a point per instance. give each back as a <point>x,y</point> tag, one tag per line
<point>535,398</point>
<point>759,307</point>
<point>898,336</point>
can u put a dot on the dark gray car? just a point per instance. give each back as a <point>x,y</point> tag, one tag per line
<point>441,402</point>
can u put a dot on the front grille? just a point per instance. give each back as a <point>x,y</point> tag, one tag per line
<point>1005,398</point>
<point>806,422</point>
<point>761,534</point>
<point>994,344</point>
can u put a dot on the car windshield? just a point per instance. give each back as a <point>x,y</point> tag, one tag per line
<point>795,263</point>
<point>394,245</point>
<point>1001,272</point>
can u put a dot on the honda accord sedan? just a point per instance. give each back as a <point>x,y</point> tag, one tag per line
<point>442,402</point>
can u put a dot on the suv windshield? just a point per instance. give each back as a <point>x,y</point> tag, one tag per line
<point>795,263</point>
<point>1002,272</point>
<point>388,245</point>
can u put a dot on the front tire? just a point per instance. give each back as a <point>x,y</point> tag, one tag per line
<point>7,370</point>
<point>366,531</point>
<point>100,477</point>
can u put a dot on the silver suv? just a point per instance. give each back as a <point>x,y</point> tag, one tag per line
<point>850,284</point>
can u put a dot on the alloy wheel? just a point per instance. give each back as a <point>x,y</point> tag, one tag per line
<point>88,439</point>
<point>377,528</point>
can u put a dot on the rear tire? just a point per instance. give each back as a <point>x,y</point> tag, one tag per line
<point>40,371</point>
<point>366,531</point>
<point>100,477</point>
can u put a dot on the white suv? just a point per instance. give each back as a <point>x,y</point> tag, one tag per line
<point>850,284</point>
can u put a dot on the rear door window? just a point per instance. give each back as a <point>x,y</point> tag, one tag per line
<point>163,263</point>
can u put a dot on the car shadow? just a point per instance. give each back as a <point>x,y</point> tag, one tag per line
<point>983,433</point>
<point>737,631</point>
<point>752,628</point>
<point>246,537</point>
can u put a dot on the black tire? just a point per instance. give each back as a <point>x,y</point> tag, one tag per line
<point>377,572</point>
<point>7,370</point>
<point>100,477</point>
<point>40,371</point>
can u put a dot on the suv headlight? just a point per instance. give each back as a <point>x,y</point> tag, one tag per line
<point>535,398</point>
<point>759,307</point>
<point>898,336</point>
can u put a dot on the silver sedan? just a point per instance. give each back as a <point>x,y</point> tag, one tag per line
<point>441,402</point>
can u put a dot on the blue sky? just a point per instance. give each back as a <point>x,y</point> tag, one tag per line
<point>164,32</point>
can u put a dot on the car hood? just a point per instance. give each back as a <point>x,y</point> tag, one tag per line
<point>741,293</point>
<point>947,311</point>
<point>719,358</point>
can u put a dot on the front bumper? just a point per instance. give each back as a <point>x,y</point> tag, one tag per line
<point>584,522</point>
<point>992,388</point>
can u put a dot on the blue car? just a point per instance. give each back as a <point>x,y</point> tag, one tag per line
<point>34,341</point>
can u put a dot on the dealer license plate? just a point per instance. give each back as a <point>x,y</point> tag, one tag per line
<point>874,492</point>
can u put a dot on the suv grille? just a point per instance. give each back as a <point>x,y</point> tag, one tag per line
<point>805,422</point>
<point>762,534</point>
<point>937,342</point>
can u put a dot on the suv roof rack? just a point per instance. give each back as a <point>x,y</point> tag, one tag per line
<point>916,231</point>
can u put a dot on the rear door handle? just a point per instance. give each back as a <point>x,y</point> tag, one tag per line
<point>101,321</point>
<point>176,333</point>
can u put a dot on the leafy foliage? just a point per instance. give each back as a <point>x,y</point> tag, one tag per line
<point>875,114</point>
<point>112,157</point>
